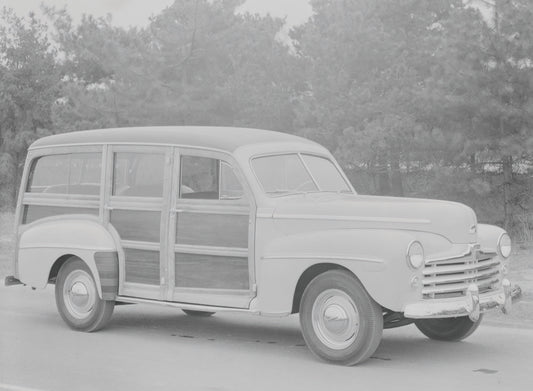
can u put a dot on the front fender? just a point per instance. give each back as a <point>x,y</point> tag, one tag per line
<point>45,241</point>
<point>377,257</point>
<point>488,236</point>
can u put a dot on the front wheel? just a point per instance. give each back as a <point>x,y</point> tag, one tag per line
<point>340,322</point>
<point>448,329</point>
<point>77,298</point>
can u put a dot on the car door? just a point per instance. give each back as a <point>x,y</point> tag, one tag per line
<point>136,208</point>
<point>211,229</point>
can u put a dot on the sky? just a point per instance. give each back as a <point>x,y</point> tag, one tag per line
<point>136,12</point>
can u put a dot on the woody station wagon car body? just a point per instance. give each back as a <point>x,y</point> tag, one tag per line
<point>211,219</point>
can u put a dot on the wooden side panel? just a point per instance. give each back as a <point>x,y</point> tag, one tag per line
<point>209,229</point>
<point>137,225</point>
<point>36,212</point>
<point>211,271</point>
<point>142,266</point>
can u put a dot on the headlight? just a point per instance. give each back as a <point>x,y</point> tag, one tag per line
<point>415,255</point>
<point>504,245</point>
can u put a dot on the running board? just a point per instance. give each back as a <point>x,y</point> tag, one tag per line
<point>182,306</point>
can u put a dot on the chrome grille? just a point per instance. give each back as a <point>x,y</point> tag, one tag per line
<point>451,277</point>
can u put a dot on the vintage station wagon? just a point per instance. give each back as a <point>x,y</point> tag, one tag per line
<point>211,219</point>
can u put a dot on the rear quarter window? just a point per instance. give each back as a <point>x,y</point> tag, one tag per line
<point>74,173</point>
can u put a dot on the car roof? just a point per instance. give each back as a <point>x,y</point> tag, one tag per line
<point>212,137</point>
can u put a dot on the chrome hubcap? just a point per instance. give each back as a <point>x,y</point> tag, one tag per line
<point>335,319</point>
<point>79,294</point>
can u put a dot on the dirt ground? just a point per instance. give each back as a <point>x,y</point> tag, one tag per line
<point>520,272</point>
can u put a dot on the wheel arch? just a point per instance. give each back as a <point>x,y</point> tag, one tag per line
<point>308,275</point>
<point>59,262</point>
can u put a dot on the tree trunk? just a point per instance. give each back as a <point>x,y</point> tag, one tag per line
<point>396,178</point>
<point>383,180</point>
<point>19,168</point>
<point>507,164</point>
<point>473,164</point>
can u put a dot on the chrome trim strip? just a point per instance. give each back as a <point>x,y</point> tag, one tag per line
<point>458,284</point>
<point>469,252</point>
<point>460,269</point>
<point>351,218</point>
<point>322,257</point>
<point>440,259</point>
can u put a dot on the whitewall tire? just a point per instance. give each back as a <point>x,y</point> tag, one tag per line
<point>340,322</point>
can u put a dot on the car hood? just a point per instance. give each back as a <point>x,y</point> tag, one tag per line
<point>454,221</point>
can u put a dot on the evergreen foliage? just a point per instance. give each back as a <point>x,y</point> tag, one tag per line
<point>424,98</point>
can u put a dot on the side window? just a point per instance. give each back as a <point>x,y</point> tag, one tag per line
<point>49,174</point>
<point>85,172</point>
<point>208,179</point>
<point>230,187</point>
<point>199,177</point>
<point>138,174</point>
<point>76,173</point>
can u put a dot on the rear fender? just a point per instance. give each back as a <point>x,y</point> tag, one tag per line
<point>45,241</point>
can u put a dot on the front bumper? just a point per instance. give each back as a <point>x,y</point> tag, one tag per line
<point>471,305</point>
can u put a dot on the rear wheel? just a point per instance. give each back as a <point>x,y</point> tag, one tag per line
<point>448,329</point>
<point>340,322</point>
<point>200,314</point>
<point>77,298</point>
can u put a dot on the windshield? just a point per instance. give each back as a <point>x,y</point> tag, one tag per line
<point>298,173</point>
